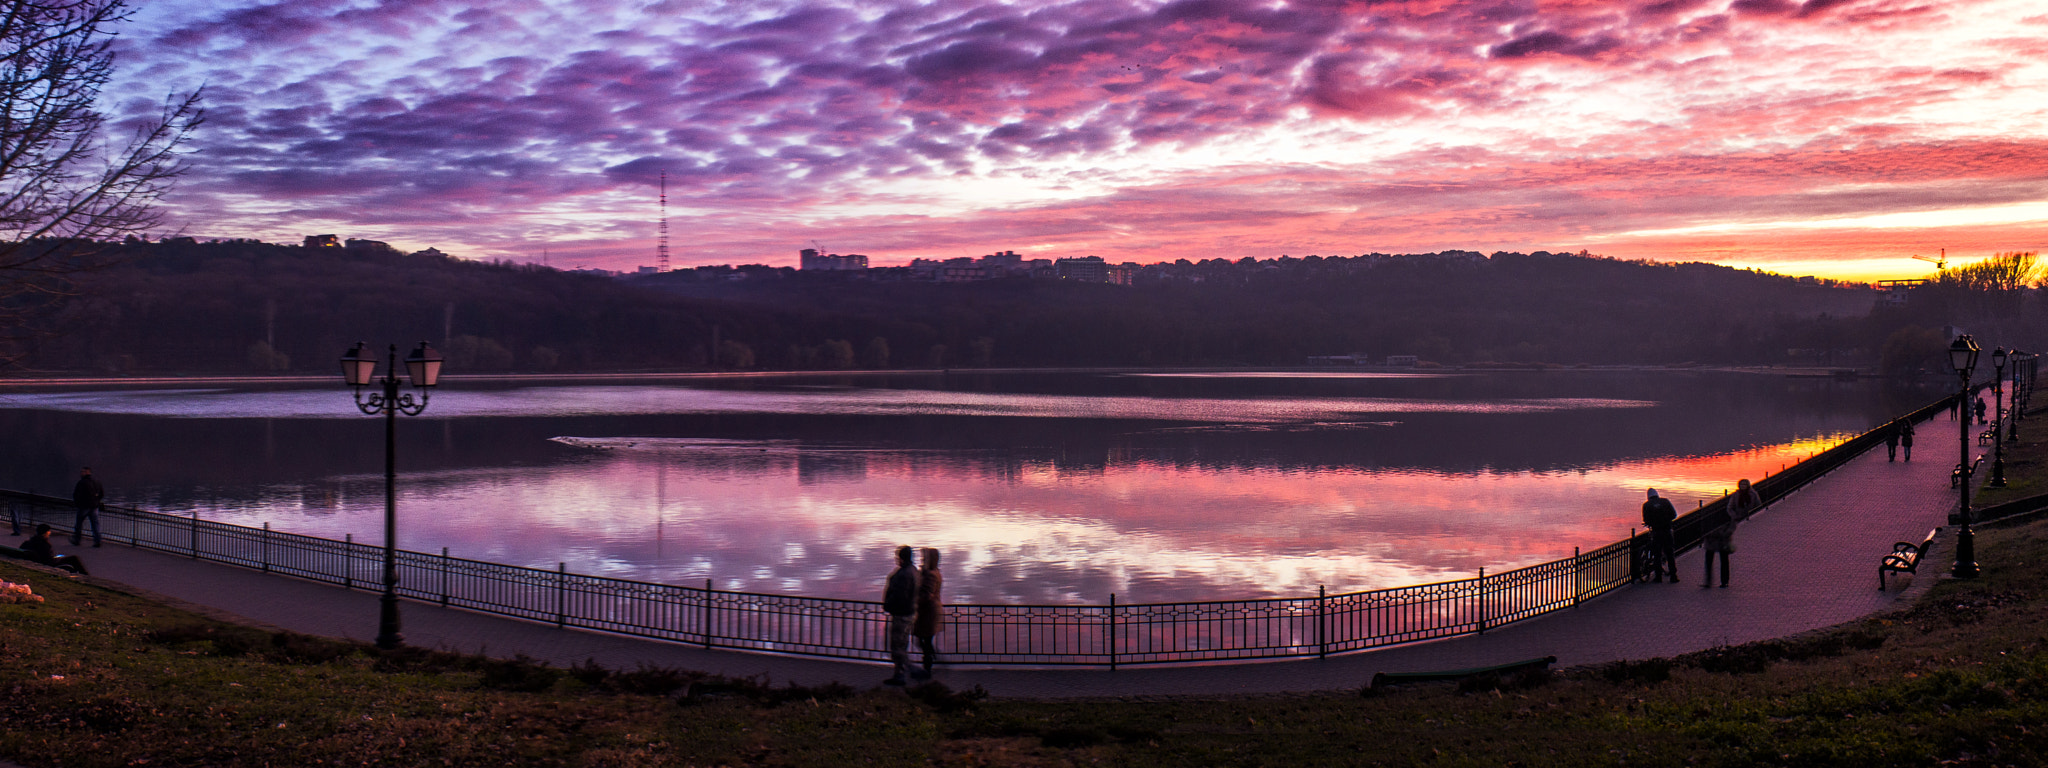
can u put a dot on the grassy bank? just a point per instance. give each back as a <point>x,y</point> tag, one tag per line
<point>96,677</point>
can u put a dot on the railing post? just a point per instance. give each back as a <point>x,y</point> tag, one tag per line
<point>561,594</point>
<point>707,613</point>
<point>195,533</point>
<point>1482,601</point>
<point>1112,631</point>
<point>1634,567</point>
<point>1578,577</point>
<point>348,564</point>
<point>1322,622</point>
<point>266,546</point>
<point>444,577</point>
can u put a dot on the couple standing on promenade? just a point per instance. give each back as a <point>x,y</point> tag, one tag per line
<point>1658,514</point>
<point>914,607</point>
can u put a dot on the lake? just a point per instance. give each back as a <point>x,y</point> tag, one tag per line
<point>1039,487</point>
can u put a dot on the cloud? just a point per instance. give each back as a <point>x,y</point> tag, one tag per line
<point>555,118</point>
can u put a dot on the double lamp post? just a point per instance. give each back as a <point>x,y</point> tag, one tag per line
<point>359,368</point>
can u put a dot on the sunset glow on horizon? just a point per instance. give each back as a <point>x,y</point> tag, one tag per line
<point>1833,137</point>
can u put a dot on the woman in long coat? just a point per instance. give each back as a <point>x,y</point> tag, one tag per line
<point>931,609</point>
<point>1721,540</point>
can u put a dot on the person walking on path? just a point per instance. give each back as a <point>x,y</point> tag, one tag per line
<point>1906,439</point>
<point>1891,444</point>
<point>1721,540</point>
<point>1658,514</point>
<point>931,612</point>
<point>39,550</point>
<point>87,494</point>
<point>899,600</point>
<point>1980,410</point>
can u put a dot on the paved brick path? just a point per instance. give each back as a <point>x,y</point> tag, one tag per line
<point>1809,561</point>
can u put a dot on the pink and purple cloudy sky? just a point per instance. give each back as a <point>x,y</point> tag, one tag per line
<point>1833,137</point>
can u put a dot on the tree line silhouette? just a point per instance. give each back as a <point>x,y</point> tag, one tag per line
<point>183,306</point>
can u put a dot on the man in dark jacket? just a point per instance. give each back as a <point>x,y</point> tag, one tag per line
<point>899,600</point>
<point>87,495</point>
<point>1658,515</point>
<point>39,550</point>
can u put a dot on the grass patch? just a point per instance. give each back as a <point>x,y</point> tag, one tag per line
<point>94,677</point>
<point>2026,462</point>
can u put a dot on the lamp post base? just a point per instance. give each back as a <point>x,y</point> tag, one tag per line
<point>1966,554</point>
<point>388,637</point>
<point>1998,473</point>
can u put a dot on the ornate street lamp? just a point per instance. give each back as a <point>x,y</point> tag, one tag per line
<point>1963,356</point>
<point>358,368</point>
<point>1998,358</point>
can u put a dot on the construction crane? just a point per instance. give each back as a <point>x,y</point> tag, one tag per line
<point>1939,263</point>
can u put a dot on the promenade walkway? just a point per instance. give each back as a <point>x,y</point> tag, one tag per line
<point>1809,561</point>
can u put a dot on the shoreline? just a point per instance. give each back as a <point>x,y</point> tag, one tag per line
<point>661,376</point>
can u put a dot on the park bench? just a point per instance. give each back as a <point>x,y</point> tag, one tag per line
<point>1905,558</point>
<point>1988,436</point>
<point>1959,474</point>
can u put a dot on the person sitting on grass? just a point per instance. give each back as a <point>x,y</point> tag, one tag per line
<point>39,550</point>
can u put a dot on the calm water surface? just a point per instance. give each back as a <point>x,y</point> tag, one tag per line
<point>1039,487</point>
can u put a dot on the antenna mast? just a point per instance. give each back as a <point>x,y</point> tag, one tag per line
<point>661,251</point>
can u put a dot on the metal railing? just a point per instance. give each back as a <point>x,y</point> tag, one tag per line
<point>1109,634</point>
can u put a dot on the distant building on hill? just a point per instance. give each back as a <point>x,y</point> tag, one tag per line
<point>368,246</point>
<point>1086,269</point>
<point>323,241</point>
<point>809,260</point>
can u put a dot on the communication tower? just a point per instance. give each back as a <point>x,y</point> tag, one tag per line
<point>661,250</point>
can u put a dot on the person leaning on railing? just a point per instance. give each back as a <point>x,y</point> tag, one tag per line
<point>1658,514</point>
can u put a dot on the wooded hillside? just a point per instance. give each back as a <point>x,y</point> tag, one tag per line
<point>242,306</point>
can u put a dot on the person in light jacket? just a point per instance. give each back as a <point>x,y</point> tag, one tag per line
<point>1721,539</point>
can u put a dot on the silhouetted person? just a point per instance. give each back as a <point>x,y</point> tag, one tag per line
<point>1980,410</point>
<point>931,611</point>
<point>899,600</point>
<point>39,550</point>
<point>87,495</point>
<point>1658,515</point>
<point>1906,439</point>
<point>1891,444</point>
<point>1721,540</point>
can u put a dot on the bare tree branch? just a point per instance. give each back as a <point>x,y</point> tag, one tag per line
<point>65,191</point>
